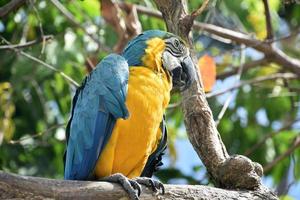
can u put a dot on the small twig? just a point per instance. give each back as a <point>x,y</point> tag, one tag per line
<point>90,63</point>
<point>238,78</point>
<point>40,93</point>
<point>199,11</point>
<point>268,20</point>
<point>36,135</point>
<point>269,135</point>
<point>27,44</point>
<point>290,150</point>
<point>73,20</point>
<point>246,67</point>
<point>40,26</point>
<point>174,105</point>
<point>73,82</point>
<point>243,83</point>
<point>253,81</point>
<point>142,10</point>
<point>10,6</point>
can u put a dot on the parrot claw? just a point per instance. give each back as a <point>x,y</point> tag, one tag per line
<point>132,187</point>
<point>155,185</point>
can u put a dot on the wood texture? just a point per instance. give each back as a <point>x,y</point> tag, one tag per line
<point>21,187</point>
<point>225,171</point>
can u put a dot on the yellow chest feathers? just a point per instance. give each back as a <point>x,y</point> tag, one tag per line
<point>134,139</point>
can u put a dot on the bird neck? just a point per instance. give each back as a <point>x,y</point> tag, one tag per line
<point>153,56</point>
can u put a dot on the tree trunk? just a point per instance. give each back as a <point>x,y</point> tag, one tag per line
<point>226,171</point>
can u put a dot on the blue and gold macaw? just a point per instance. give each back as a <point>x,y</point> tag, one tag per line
<point>116,131</point>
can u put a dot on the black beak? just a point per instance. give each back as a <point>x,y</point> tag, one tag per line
<point>184,75</point>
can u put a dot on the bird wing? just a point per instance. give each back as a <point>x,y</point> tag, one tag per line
<point>155,159</point>
<point>97,104</point>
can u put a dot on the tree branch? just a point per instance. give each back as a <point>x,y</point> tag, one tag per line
<point>66,77</point>
<point>73,20</point>
<point>27,44</point>
<point>142,10</point>
<point>268,20</point>
<point>253,81</point>
<point>238,78</point>
<point>290,150</point>
<point>10,6</point>
<point>241,84</point>
<point>269,135</point>
<point>246,67</point>
<point>199,11</point>
<point>42,133</point>
<point>13,186</point>
<point>273,53</point>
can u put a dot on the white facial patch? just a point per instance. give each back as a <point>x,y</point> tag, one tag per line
<point>169,61</point>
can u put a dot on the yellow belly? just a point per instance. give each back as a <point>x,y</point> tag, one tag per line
<point>134,139</point>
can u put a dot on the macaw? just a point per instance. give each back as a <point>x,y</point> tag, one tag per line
<point>116,131</point>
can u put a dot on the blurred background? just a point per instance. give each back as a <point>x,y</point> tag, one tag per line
<point>48,47</point>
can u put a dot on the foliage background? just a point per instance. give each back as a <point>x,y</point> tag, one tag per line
<point>35,101</point>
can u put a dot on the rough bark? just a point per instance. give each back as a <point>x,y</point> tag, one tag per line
<point>21,187</point>
<point>226,171</point>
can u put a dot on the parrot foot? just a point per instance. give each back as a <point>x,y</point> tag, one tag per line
<point>155,185</point>
<point>132,187</point>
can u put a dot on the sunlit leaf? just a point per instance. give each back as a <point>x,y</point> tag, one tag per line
<point>7,109</point>
<point>207,69</point>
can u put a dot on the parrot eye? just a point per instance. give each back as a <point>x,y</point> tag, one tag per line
<point>176,43</point>
<point>175,47</point>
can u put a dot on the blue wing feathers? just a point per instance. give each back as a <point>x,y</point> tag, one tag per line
<point>83,169</point>
<point>99,103</point>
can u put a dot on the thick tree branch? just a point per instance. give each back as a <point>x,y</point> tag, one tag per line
<point>10,6</point>
<point>21,187</point>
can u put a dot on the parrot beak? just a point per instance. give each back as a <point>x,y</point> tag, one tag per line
<point>184,75</point>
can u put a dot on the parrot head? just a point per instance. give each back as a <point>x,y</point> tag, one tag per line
<point>160,50</point>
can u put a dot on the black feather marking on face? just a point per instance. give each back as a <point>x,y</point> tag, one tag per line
<point>175,46</point>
